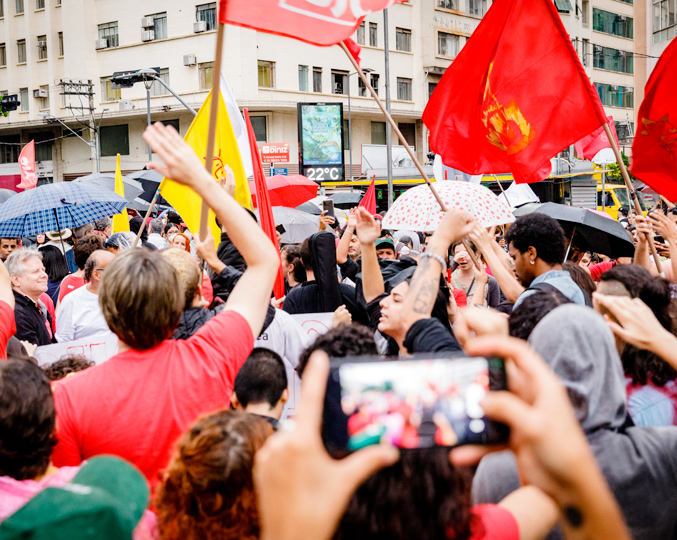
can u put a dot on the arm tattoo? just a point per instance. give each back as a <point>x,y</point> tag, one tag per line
<point>573,516</point>
<point>424,287</point>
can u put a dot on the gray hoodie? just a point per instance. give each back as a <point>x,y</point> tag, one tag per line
<point>639,463</point>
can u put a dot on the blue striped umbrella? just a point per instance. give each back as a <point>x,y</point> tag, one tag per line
<point>52,207</point>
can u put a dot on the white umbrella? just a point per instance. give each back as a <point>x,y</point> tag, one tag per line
<point>298,225</point>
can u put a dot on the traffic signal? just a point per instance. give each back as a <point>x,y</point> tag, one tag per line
<point>9,103</point>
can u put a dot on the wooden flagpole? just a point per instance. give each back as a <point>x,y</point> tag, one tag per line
<point>213,120</point>
<point>628,185</point>
<point>150,209</point>
<point>502,190</point>
<point>397,131</point>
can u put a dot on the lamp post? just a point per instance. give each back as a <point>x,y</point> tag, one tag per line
<point>350,124</point>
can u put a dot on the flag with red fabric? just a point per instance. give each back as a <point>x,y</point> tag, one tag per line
<point>589,145</point>
<point>29,179</point>
<point>369,200</point>
<point>514,97</point>
<point>654,149</point>
<point>328,22</point>
<point>265,209</point>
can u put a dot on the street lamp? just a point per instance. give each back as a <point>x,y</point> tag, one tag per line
<point>350,125</point>
<point>93,145</point>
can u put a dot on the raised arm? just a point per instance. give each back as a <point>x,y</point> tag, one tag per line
<point>251,296</point>
<point>368,232</point>
<point>664,226</point>
<point>344,243</point>
<point>642,254</point>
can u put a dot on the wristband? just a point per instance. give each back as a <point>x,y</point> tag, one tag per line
<point>439,259</point>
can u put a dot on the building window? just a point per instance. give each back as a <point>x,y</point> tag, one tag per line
<point>21,51</point>
<point>339,82</point>
<point>23,98</point>
<point>205,71</point>
<point>563,6</point>
<point>43,145</point>
<point>585,51</point>
<point>360,34</point>
<point>373,36</point>
<point>448,4</point>
<point>43,102</point>
<point>664,20</point>
<point>409,131</point>
<point>260,127</point>
<point>159,25</point>
<point>317,79</point>
<point>404,89</point>
<point>374,82</point>
<point>207,13</point>
<point>403,39</point>
<point>585,10</point>
<point>157,89</point>
<point>612,59</point>
<point>303,78</point>
<point>266,74</point>
<point>19,7</point>
<point>612,23</point>
<point>447,44</point>
<point>42,47</point>
<point>625,130</point>
<point>60,43</point>
<point>2,9</point>
<point>114,140</point>
<point>109,32</point>
<point>378,133</point>
<point>361,88</point>
<point>39,4</point>
<point>477,7</point>
<point>107,92</point>
<point>431,88</point>
<point>10,148</point>
<point>615,96</point>
<point>3,55</point>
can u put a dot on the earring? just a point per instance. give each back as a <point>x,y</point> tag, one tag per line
<point>532,262</point>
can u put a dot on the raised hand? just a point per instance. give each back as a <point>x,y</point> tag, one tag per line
<point>228,182</point>
<point>367,228</point>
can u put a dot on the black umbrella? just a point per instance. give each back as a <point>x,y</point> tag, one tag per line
<point>346,199</point>
<point>150,180</point>
<point>598,233</point>
<point>107,180</point>
<point>310,208</point>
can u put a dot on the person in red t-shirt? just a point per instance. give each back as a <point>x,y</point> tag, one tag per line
<point>140,401</point>
<point>84,247</point>
<point>7,324</point>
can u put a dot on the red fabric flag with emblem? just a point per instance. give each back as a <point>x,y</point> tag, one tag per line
<point>265,209</point>
<point>515,96</point>
<point>325,22</point>
<point>589,145</point>
<point>654,149</point>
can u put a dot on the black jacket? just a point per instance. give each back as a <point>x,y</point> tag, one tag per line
<point>192,319</point>
<point>229,255</point>
<point>31,321</point>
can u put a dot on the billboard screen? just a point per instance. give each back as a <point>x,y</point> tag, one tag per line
<point>321,140</point>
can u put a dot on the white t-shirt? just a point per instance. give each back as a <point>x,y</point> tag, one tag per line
<point>79,316</point>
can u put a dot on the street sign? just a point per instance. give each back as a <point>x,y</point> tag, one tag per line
<point>275,152</point>
<point>274,171</point>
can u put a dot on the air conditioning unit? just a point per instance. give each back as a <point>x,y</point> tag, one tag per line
<point>189,60</point>
<point>199,26</point>
<point>42,44</point>
<point>148,22</point>
<point>622,18</point>
<point>614,88</point>
<point>40,93</point>
<point>101,44</point>
<point>125,106</point>
<point>148,35</point>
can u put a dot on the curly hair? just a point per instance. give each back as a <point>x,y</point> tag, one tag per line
<point>27,422</point>
<point>85,247</point>
<point>541,232</point>
<point>641,365</point>
<point>347,340</point>
<point>65,366</point>
<point>421,496</point>
<point>208,490</point>
<point>531,311</point>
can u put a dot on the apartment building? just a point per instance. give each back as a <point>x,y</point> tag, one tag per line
<point>58,57</point>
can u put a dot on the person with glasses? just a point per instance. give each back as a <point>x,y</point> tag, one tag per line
<point>80,315</point>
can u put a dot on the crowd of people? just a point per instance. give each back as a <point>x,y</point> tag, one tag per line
<point>194,430</point>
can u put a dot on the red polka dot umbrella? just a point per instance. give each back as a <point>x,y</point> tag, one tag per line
<point>417,209</point>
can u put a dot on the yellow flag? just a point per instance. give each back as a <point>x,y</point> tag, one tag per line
<point>227,151</point>
<point>120,221</point>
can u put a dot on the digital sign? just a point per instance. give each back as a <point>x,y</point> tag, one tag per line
<point>321,141</point>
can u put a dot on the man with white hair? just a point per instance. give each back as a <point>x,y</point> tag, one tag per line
<point>155,230</point>
<point>29,281</point>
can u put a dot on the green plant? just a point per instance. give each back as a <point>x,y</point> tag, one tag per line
<point>615,174</point>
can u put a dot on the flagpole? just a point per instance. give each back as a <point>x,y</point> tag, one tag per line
<point>397,131</point>
<point>213,119</point>
<point>502,190</point>
<point>628,185</point>
<point>150,209</point>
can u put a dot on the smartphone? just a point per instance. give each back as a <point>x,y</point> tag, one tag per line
<point>420,402</point>
<point>328,206</point>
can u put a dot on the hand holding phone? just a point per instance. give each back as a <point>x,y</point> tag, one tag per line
<point>328,206</point>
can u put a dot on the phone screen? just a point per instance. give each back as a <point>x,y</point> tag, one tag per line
<point>328,205</point>
<point>413,403</point>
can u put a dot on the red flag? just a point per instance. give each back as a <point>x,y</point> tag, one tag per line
<point>515,96</point>
<point>654,150</point>
<point>265,210</point>
<point>354,49</point>
<point>589,145</point>
<point>369,199</point>
<point>27,165</point>
<point>325,22</point>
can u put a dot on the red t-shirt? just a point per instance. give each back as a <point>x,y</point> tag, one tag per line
<point>7,327</point>
<point>460,297</point>
<point>491,522</point>
<point>596,270</point>
<point>138,403</point>
<point>207,289</point>
<point>69,284</point>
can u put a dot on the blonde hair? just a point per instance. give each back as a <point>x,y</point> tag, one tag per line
<point>141,298</point>
<point>188,271</point>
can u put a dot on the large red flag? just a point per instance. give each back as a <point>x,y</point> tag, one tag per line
<point>325,22</point>
<point>265,210</point>
<point>369,200</point>
<point>654,150</point>
<point>27,166</point>
<point>515,96</point>
<point>589,145</point>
